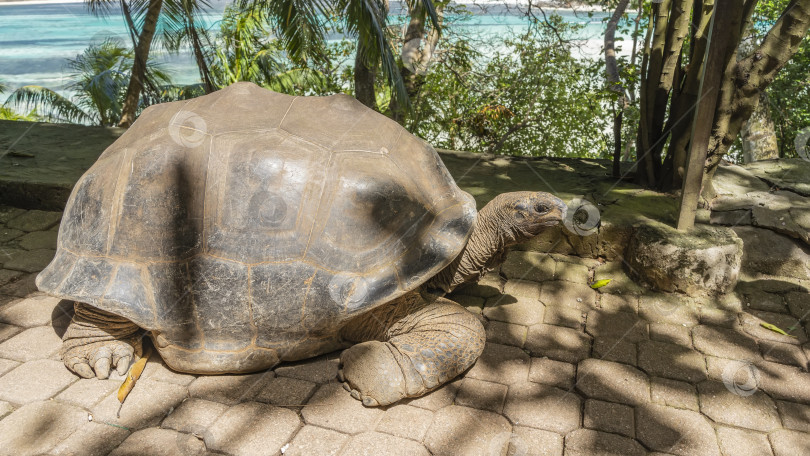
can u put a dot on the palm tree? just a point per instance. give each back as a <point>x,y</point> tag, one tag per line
<point>243,52</point>
<point>303,25</point>
<point>99,78</point>
<point>175,20</point>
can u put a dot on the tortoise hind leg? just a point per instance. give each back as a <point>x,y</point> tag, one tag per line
<point>410,347</point>
<point>96,340</point>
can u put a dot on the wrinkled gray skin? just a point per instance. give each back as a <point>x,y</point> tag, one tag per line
<point>246,228</point>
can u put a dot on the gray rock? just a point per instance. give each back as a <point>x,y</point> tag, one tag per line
<point>706,260</point>
<point>34,220</point>
<point>36,428</point>
<point>766,252</point>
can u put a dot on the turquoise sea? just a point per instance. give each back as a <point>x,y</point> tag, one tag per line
<point>36,39</point>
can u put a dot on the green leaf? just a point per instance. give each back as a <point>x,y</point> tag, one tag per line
<point>775,329</point>
<point>600,283</point>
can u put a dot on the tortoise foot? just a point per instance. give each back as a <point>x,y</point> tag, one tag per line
<point>371,374</point>
<point>96,341</point>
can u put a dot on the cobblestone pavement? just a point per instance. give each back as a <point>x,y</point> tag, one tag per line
<point>566,370</point>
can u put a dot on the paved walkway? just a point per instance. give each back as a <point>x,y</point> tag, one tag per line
<point>566,370</point>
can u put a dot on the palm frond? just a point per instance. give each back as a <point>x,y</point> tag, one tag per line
<point>300,24</point>
<point>55,107</point>
<point>297,81</point>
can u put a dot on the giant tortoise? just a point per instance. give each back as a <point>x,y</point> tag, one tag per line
<point>245,228</point>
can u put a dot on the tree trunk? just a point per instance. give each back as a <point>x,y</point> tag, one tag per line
<point>758,134</point>
<point>747,78</point>
<point>615,84</point>
<point>138,75</point>
<point>364,79</point>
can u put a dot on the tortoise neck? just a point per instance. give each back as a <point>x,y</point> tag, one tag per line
<point>485,250</point>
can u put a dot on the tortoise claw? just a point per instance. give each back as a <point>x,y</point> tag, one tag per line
<point>347,387</point>
<point>370,402</point>
<point>355,394</point>
<point>340,375</point>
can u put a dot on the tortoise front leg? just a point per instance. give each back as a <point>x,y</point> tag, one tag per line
<point>409,347</point>
<point>97,340</point>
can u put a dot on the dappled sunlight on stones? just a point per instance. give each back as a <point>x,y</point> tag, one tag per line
<point>506,333</point>
<point>37,427</point>
<point>533,266</point>
<point>789,443</point>
<point>481,395</point>
<point>556,342</point>
<point>91,439</point>
<point>564,316</point>
<point>586,442</point>
<point>755,411</point>
<point>534,442</point>
<point>313,440</point>
<point>194,416</point>
<point>794,416</point>
<point>8,331</point>
<point>35,381</point>
<point>147,404</point>
<point>673,334</point>
<point>668,308</point>
<point>332,407</point>
<point>783,353</point>
<point>405,421</point>
<point>514,309</point>
<point>543,407</point>
<point>438,398</point>
<point>615,349</point>
<point>671,361</point>
<point>285,391</point>
<point>34,343</point>
<point>741,441</point>
<point>87,392</point>
<point>609,417</point>
<point>674,393</point>
<point>463,431</point>
<point>752,324</point>
<point>252,428</point>
<point>613,382</point>
<point>551,372</point>
<point>501,364</point>
<point>159,442</point>
<point>30,312</point>
<point>375,443</point>
<point>229,389</point>
<point>724,343</point>
<point>319,370</point>
<point>625,326</point>
<point>559,293</point>
<point>680,432</point>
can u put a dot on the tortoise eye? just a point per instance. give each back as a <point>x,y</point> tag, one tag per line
<point>541,208</point>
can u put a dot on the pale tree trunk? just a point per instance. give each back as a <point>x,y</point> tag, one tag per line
<point>418,48</point>
<point>138,75</point>
<point>746,79</point>
<point>615,84</point>
<point>758,135</point>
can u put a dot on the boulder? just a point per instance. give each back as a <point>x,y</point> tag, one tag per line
<point>770,253</point>
<point>704,261</point>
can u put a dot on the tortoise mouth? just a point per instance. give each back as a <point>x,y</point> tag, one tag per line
<point>551,221</point>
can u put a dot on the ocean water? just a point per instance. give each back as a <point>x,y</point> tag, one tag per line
<point>37,39</point>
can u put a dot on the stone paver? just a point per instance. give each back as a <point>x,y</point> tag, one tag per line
<point>31,312</point>
<point>563,344</point>
<point>506,333</point>
<point>35,381</point>
<point>543,407</point>
<point>375,443</point>
<point>481,395</point>
<point>159,442</point>
<point>286,391</point>
<point>789,443</point>
<point>724,343</point>
<point>406,421</point>
<point>91,439</point>
<point>462,431</point>
<point>147,404</point>
<point>514,309</point>
<point>675,431</point>
<point>662,359</point>
<point>609,417</point>
<point>565,370</point>
<point>34,343</point>
<point>37,427</point>
<point>252,428</point>
<point>742,442</point>
<point>618,350</point>
<point>613,382</point>
<point>312,440</point>
<point>551,372</point>
<point>534,442</point>
<point>794,416</point>
<point>755,411</point>
<point>587,442</point>
<point>229,389</point>
<point>87,392</point>
<point>332,408</point>
<point>674,393</point>
<point>194,416</point>
<point>501,364</point>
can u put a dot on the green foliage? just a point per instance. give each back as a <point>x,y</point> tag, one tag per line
<point>789,93</point>
<point>99,78</point>
<point>530,97</point>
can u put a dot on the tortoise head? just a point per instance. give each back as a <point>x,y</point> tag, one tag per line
<point>524,215</point>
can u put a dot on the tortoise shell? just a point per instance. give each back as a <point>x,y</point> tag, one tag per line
<point>248,218</point>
